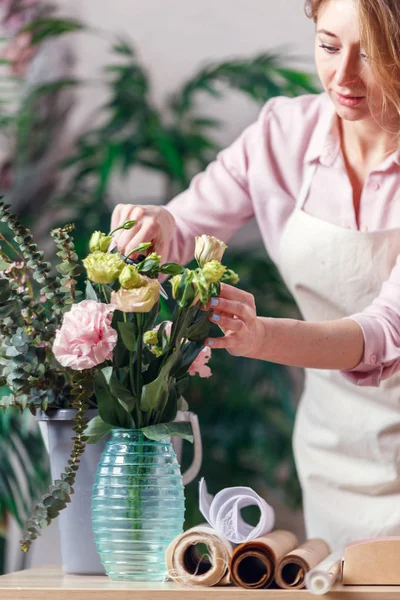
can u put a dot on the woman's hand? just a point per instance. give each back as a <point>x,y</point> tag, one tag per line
<point>234,311</point>
<point>154,224</point>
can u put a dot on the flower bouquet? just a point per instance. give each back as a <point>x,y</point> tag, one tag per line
<point>62,348</point>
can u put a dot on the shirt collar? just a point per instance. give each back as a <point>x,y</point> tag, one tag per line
<point>325,141</point>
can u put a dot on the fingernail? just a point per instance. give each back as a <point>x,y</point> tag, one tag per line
<point>210,342</point>
<point>216,317</point>
<point>214,301</point>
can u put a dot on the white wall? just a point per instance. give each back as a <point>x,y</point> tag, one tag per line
<point>174,38</point>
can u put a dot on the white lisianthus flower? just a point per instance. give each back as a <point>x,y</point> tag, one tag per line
<point>208,248</point>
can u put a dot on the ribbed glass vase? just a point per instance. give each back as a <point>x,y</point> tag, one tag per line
<point>138,506</point>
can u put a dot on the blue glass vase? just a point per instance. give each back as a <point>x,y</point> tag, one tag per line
<point>138,506</point>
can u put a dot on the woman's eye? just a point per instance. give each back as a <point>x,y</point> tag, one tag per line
<point>329,49</point>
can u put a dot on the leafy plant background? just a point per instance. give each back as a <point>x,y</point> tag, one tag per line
<point>246,409</point>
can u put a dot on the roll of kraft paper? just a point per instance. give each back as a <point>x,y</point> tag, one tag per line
<point>292,569</point>
<point>188,566</point>
<point>253,563</point>
<point>323,577</point>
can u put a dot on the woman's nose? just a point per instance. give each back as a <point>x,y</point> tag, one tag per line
<point>348,71</point>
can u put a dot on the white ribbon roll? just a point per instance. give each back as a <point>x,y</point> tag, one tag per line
<point>223,513</point>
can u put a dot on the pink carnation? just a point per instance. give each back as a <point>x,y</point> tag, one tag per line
<point>199,364</point>
<point>86,338</point>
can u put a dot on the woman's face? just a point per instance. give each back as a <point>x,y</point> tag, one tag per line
<point>341,63</point>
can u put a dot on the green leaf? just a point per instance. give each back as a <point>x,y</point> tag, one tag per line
<point>155,393</point>
<point>96,429</point>
<point>44,28</point>
<point>128,334</point>
<point>90,292</point>
<point>105,401</point>
<point>171,269</point>
<point>161,431</point>
<point>123,47</point>
<point>189,353</point>
<point>124,396</point>
<point>3,264</point>
<point>111,410</point>
<point>200,329</point>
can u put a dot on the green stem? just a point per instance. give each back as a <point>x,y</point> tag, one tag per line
<point>11,246</point>
<point>103,289</point>
<point>131,375</point>
<point>139,356</point>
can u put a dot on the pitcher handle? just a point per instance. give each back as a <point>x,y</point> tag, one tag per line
<point>194,468</point>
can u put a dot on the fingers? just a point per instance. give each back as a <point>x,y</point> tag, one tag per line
<point>227,323</point>
<point>227,342</point>
<point>232,307</point>
<point>233,293</point>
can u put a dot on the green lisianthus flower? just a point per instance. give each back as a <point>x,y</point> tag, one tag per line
<point>103,267</point>
<point>213,271</point>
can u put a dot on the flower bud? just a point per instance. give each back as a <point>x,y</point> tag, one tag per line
<point>99,241</point>
<point>151,337</point>
<point>231,277</point>
<point>103,267</point>
<point>154,256</point>
<point>130,278</point>
<point>208,248</point>
<point>175,281</point>
<point>213,271</point>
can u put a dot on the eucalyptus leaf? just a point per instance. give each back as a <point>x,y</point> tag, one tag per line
<point>161,431</point>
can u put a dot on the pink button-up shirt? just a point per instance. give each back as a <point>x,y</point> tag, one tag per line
<point>261,174</point>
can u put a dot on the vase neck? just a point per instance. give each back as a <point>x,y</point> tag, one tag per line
<point>133,435</point>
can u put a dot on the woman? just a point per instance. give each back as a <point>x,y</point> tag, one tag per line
<point>322,175</point>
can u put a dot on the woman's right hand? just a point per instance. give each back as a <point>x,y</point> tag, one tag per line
<point>154,224</point>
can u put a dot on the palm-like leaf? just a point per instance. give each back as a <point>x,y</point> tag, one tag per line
<point>24,468</point>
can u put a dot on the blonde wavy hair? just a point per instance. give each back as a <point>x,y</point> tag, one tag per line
<point>379,22</point>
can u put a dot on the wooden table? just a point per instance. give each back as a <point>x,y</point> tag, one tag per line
<point>50,583</point>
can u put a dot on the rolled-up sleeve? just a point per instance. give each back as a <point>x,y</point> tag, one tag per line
<point>380,324</point>
<point>218,201</point>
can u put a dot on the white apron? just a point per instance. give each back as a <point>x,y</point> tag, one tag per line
<point>347,437</point>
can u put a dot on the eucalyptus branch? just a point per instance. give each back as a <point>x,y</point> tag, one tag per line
<point>69,266</point>
<point>59,494</point>
<point>34,259</point>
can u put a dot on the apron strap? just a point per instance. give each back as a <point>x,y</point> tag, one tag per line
<point>305,187</point>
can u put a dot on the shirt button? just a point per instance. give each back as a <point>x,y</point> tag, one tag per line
<point>374,186</point>
<point>373,358</point>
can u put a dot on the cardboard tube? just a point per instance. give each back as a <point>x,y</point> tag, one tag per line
<point>292,569</point>
<point>187,566</point>
<point>252,565</point>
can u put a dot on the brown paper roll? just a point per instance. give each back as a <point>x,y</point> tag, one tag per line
<point>291,570</point>
<point>253,563</point>
<point>186,565</point>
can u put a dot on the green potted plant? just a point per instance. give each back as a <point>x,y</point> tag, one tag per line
<point>62,352</point>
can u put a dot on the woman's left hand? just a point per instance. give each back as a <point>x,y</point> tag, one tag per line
<point>234,311</point>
